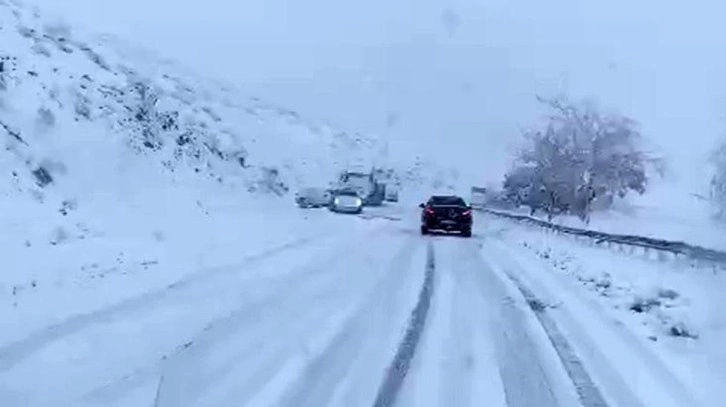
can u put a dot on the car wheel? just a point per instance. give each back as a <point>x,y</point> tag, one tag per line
<point>424,230</point>
<point>466,233</point>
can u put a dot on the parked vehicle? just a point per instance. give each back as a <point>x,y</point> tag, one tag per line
<point>446,214</point>
<point>313,197</point>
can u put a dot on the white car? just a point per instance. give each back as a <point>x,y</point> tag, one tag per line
<point>346,201</point>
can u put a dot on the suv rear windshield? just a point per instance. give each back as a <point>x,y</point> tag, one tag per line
<point>446,201</point>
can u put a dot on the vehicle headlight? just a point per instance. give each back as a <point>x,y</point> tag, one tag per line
<point>336,201</point>
<point>358,202</point>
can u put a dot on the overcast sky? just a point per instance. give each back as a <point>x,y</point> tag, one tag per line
<point>453,76</point>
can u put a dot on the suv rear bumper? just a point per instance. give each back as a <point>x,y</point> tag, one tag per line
<point>447,225</point>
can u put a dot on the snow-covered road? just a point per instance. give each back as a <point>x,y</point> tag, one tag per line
<point>370,314</point>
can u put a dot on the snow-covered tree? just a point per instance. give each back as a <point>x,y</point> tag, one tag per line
<point>580,156</point>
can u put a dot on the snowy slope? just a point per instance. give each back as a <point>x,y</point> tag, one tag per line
<point>56,84</point>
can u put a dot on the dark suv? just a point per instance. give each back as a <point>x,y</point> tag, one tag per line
<point>446,214</point>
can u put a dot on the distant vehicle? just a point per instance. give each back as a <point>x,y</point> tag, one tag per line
<point>346,201</point>
<point>313,197</point>
<point>478,197</point>
<point>446,213</point>
<point>391,193</point>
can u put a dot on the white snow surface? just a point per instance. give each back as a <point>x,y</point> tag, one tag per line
<point>176,274</point>
<point>311,308</point>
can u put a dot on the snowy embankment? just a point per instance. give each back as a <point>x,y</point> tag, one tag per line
<point>654,321</point>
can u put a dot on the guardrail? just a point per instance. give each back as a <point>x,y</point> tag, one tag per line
<point>675,247</point>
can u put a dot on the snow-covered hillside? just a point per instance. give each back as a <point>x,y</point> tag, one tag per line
<point>95,96</point>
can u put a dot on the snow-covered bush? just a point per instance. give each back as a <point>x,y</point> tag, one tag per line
<point>46,118</point>
<point>147,121</point>
<point>718,181</point>
<point>580,157</point>
<point>5,67</point>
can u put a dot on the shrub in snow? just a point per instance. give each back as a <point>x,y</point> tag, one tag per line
<point>3,81</point>
<point>145,121</point>
<point>42,177</point>
<point>46,118</point>
<point>718,181</point>
<point>536,305</point>
<point>680,329</point>
<point>641,304</point>
<point>82,107</point>
<point>580,158</point>
<point>68,206</point>
<point>604,282</point>
<point>95,57</point>
<point>668,293</point>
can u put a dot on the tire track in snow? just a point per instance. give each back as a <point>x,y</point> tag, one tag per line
<point>398,369</point>
<point>320,381</point>
<point>610,371</point>
<point>444,371</point>
<point>15,352</point>
<point>459,369</point>
<point>589,394</point>
<point>523,371</point>
<point>243,359</point>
